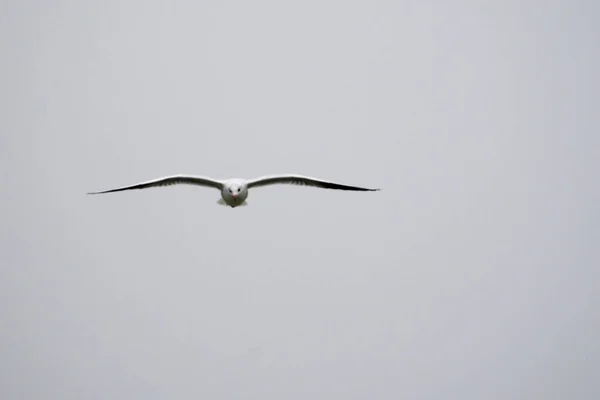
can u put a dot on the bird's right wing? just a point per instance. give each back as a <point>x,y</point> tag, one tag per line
<point>170,180</point>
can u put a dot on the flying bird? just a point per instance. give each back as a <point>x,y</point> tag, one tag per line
<point>235,191</point>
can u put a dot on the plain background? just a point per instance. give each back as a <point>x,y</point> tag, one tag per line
<point>473,274</point>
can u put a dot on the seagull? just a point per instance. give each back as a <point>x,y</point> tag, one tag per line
<point>235,191</point>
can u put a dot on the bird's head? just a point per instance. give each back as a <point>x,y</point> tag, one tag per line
<point>235,189</point>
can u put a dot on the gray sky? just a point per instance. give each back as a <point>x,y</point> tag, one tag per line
<point>472,275</point>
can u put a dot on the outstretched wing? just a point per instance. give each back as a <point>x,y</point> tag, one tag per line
<point>292,179</point>
<point>168,181</point>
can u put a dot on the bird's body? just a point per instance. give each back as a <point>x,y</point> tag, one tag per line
<point>234,192</point>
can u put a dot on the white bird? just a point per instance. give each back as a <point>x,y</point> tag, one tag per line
<point>235,191</point>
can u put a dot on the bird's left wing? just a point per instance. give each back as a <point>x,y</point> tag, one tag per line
<point>170,180</point>
<point>293,179</point>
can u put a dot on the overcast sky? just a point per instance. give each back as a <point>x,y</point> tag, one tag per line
<point>473,274</point>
